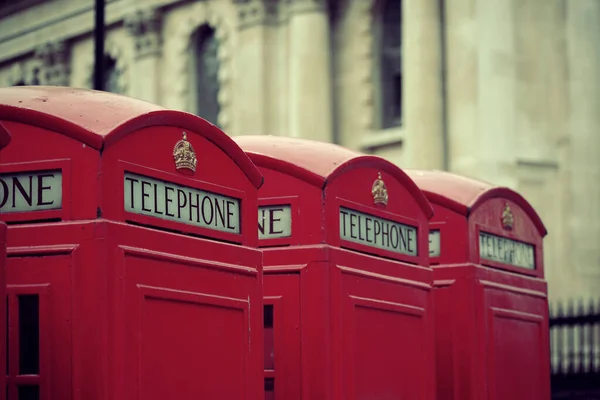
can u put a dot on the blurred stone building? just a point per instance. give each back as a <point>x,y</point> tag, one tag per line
<point>506,91</point>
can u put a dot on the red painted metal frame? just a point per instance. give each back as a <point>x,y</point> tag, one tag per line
<point>492,338</point>
<point>97,286</point>
<point>122,215</point>
<point>112,285</point>
<point>326,284</point>
<point>333,221</point>
<point>5,138</point>
<point>64,213</point>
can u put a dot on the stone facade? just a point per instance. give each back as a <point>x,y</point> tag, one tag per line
<point>505,91</point>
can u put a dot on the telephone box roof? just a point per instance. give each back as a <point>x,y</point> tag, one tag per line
<point>319,163</point>
<point>99,119</point>
<point>464,195</point>
<point>4,136</point>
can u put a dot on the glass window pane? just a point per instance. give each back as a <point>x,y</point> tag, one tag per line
<point>6,334</point>
<point>29,335</point>
<point>29,393</point>
<point>269,389</point>
<point>269,337</point>
<point>392,17</point>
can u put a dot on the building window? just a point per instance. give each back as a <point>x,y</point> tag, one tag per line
<point>205,74</point>
<point>112,75</point>
<point>390,63</point>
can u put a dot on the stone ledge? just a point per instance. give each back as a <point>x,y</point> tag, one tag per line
<point>537,163</point>
<point>377,139</point>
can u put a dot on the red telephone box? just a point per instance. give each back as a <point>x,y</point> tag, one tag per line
<point>347,288</point>
<point>491,304</point>
<point>132,267</point>
<point>4,140</point>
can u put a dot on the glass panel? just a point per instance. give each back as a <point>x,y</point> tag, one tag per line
<point>206,71</point>
<point>269,339</point>
<point>269,389</point>
<point>6,337</point>
<point>29,335</point>
<point>29,393</point>
<point>392,18</point>
<point>396,99</point>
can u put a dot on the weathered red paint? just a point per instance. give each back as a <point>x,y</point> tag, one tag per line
<point>4,141</point>
<point>491,317</point>
<point>131,305</point>
<point>350,321</point>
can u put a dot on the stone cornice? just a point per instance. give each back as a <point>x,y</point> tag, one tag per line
<point>54,58</point>
<point>257,12</point>
<point>305,6</point>
<point>272,12</point>
<point>52,53</point>
<point>145,26</point>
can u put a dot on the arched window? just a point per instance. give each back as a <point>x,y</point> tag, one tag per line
<point>390,62</point>
<point>205,74</point>
<point>111,75</point>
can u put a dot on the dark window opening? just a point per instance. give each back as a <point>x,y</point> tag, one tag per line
<point>6,337</point>
<point>397,97</point>
<point>205,62</point>
<point>268,316</point>
<point>391,63</point>
<point>269,389</point>
<point>29,335</point>
<point>269,338</point>
<point>29,393</point>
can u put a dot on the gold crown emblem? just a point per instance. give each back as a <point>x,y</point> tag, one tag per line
<point>184,155</point>
<point>379,191</point>
<point>507,218</point>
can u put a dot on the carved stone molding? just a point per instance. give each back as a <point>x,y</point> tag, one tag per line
<point>145,26</point>
<point>202,13</point>
<point>257,12</point>
<point>54,59</point>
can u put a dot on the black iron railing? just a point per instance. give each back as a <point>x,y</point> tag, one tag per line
<point>575,349</point>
